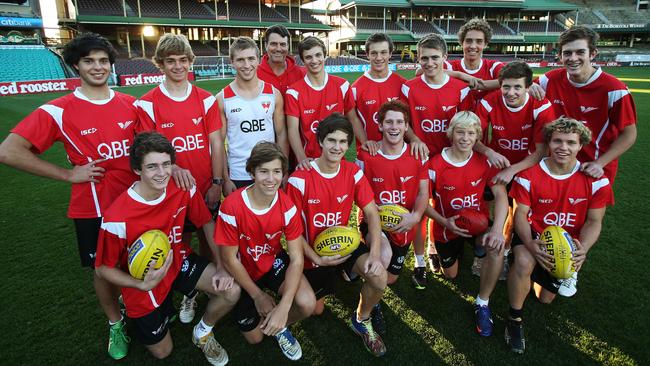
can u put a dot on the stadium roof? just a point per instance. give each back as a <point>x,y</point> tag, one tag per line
<point>382,3</point>
<point>100,19</point>
<point>552,5</point>
<point>549,5</point>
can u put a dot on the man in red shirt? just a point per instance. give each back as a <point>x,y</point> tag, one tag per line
<point>154,202</point>
<point>324,196</point>
<point>277,66</point>
<point>311,99</point>
<point>189,117</point>
<point>553,192</point>
<point>96,127</point>
<point>251,223</point>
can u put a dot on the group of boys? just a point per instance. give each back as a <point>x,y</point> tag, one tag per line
<point>435,144</point>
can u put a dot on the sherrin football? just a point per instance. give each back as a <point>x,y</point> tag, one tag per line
<point>475,222</point>
<point>559,244</point>
<point>341,240</point>
<point>149,247</point>
<point>388,215</point>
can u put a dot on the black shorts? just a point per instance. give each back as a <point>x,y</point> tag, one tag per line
<point>152,328</point>
<point>451,251</point>
<point>323,279</point>
<point>243,183</point>
<point>399,252</point>
<point>244,312</point>
<point>87,231</point>
<point>540,276</point>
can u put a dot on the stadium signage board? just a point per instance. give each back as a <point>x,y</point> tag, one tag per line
<point>351,68</point>
<point>143,79</point>
<point>21,22</point>
<point>38,86</point>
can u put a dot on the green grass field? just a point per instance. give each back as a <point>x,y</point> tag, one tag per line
<point>50,315</point>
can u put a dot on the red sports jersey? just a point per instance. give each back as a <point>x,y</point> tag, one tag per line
<point>311,105</point>
<point>458,186</point>
<point>432,107</point>
<point>89,130</point>
<point>325,200</point>
<point>257,233</point>
<point>186,122</point>
<point>395,179</point>
<point>603,103</point>
<point>561,200</point>
<point>291,74</point>
<point>129,217</point>
<point>369,94</point>
<point>487,70</point>
<point>515,131</point>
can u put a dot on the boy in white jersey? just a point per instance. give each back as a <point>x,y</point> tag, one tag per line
<point>96,127</point>
<point>252,220</point>
<point>251,110</point>
<point>553,192</point>
<point>188,116</point>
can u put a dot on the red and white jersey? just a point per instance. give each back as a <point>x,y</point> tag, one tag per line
<point>186,122</point>
<point>312,104</point>
<point>432,107</point>
<point>281,82</point>
<point>603,103</point>
<point>249,121</point>
<point>257,233</point>
<point>325,200</point>
<point>369,94</point>
<point>458,186</point>
<point>89,130</point>
<point>561,200</point>
<point>515,131</point>
<point>487,70</point>
<point>395,179</point>
<point>129,217</point>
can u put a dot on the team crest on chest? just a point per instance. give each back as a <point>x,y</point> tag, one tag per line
<point>266,105</point>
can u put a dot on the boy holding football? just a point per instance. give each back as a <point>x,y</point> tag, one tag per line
<point>553,192</point>
<point>324,195</point>
<point>251,223</point>
<point>459,177</point>
<point>154,202</point>
<point>96,126</point>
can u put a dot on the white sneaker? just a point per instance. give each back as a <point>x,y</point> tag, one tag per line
<point>289,345</point>
<point>186,314</point>
<point>568,287</point>
<point>214,353</point>
<point>476,266</point>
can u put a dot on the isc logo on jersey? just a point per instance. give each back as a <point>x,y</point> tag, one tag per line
<point>459,203</point>
<point>89,131</point>
<point>514,144</point>
<point>254,125</point>
<point>113,149</point>
<point>188,143</point>
<point>327,219</point>
<point>394,196</point>
<point>564,219</point>
<point>436,125</point>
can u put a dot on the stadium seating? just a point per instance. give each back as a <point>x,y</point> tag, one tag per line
<point>135,66</point>
<point>305,15</point>
<point>202,49</point>
<point>154,8</point>
<point>29,63</point>
<point>500,30</point>
<point>454,25</point>
<point>194,10</point>
<point>376,25</point>
<point>251,12</point>
<point>536,27</point>
<point>100,7</point>
<point>421,27</point>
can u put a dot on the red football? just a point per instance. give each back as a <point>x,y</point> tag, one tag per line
<point>472,220</point>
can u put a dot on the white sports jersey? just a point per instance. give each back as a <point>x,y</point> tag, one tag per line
<point>249,121</point>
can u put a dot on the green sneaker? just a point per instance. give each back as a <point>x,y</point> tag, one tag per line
<point>118,342</point>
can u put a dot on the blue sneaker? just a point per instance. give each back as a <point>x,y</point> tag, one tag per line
<point>378,322</point>
<point>289,345</point>
<point>484,324</point>
<point>370,338</point>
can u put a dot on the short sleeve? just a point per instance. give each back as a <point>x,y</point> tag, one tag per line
<point>520,190</point>
<point>291,107</point>
<point>226,232</point>
<point>198,213</point>
<point>40,128</point>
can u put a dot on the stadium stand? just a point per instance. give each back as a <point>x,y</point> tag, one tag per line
<point>194,10</point>
<point>251,12</point>
<point>21,63</point>
<point>454,25</point>
<point>203,49</point>
<point>100,7</point>
<point>376,25</point>
<point>135,66</point>
<point>537,27</point>
<point>421,27</point>
<point>500,29</point>
<point>305,15</point>
<point>154,8</point>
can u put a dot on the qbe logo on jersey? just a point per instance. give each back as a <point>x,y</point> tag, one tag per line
<point>327,219</point>
<point>434,126</point>
<point>188,143</point>
<point>254,125</point>
<point>114,149</point>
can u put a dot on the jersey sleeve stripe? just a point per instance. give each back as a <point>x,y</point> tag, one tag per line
<point>357,176</point>
<point>541,109</point>
<point>600,136</point>
<point>360,164</point>
<point>616,95</point>
<point>148,108</point>
<point>486,105</point>
<point>543,81</point>
<point>463,93</point>
<point>354,94</point>
<point>405,90</point>
<point>229,219</point>
<point>298,183</point>
<point>293,93</point>
<point>152,297</point>
<point>432,175</point>
<point>57,115</point>
<point>494,67</point>
<point>345,87</point>
<point>208,103</point>
<point>193,190</point>
<point>595,186</point>
<point>116,228</point>
<point>290,214</point>
<point>523,182</point>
